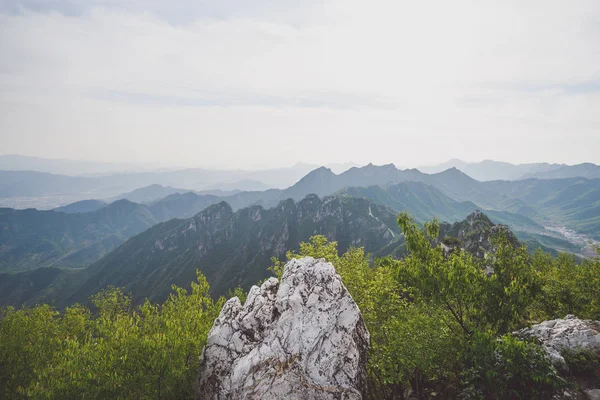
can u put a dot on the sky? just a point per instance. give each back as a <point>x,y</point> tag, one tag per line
<point>266,83</point>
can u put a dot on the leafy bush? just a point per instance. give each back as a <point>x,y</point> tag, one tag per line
<point>581,362</point>
<point>473,301</point>
<point>570,287</point>
<point>119,352</point>
<point>451,241</point>
<point>507,368</point>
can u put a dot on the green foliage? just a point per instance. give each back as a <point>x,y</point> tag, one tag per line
<point>581,361</point>
<point>472,296</point>
<point>426,314</point>
<point>507,368</point>
<point>118,352</point>
<point>511,287</point>
<point>451,241</point>
<point>569,287</point>
<point>239,293</point>
<point>28,340</point>
<point>473,300</point>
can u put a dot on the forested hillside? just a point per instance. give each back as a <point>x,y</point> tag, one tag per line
<point>230,248</point>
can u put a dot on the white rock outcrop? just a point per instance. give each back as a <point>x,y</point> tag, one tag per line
<point>570,333</point>
<point>303,338</point>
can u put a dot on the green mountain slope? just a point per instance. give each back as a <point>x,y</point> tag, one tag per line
<point>76,238</point>
<point>32,238</point>
<point>585,170</point>
<point>230,248</point>
<point>573,202</point>
<point>422,201</point>
<point>234,248</point>
<point>182,205</point>
<point>83,206</point>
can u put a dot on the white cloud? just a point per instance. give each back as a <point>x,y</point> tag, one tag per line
<point>381,81</point>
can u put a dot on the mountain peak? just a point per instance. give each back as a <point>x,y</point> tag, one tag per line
<point>215,211</point>
<point>321,170</point>
<point>474,234</point>
<point>454,173</point>
<point>122,203</point>
<point>478,216</point>
<point>321,174</point>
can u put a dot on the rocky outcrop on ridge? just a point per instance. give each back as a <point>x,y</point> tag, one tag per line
<point>301,338</point>
<point>474,234</point>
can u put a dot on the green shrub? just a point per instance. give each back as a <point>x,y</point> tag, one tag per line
<point>451,241</point>
<point>581,362</point>
<point>119,352</point>
<point>570,286</point>
<point>507,368</point>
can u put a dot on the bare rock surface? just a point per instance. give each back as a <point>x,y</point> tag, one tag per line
<point>592,394</point>
<point>569,333</point>
<point>301,338</point>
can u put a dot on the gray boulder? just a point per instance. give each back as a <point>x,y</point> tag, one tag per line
<point>302,338</point>
<point>570,333</point>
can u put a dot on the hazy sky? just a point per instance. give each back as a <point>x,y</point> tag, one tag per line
<point>240,83</point>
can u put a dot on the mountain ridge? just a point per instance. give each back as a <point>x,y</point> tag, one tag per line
<point>230,248</point>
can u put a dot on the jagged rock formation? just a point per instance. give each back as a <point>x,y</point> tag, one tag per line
<point>302,338</point>
<point>473,234</point>
<point>570,333</point>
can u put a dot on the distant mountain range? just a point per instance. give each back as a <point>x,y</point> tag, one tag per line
<point>32,238</point>
<point>42,190</point>
<point>70,252</point>
<point>79,234</point>
<point>82,206</point>
<point>23,177</point>
<point>489,170</point>
<point>230,248</point>
<point>16,162</point>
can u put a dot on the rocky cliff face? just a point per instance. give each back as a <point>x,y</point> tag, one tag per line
<point>473,234</point>
<point>301,338</point>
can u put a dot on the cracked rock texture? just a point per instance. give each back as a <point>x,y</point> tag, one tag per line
<point>302,338</point>
<point>569,333</point>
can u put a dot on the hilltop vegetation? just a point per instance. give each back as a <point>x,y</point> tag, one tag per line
<point>440,323</point>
